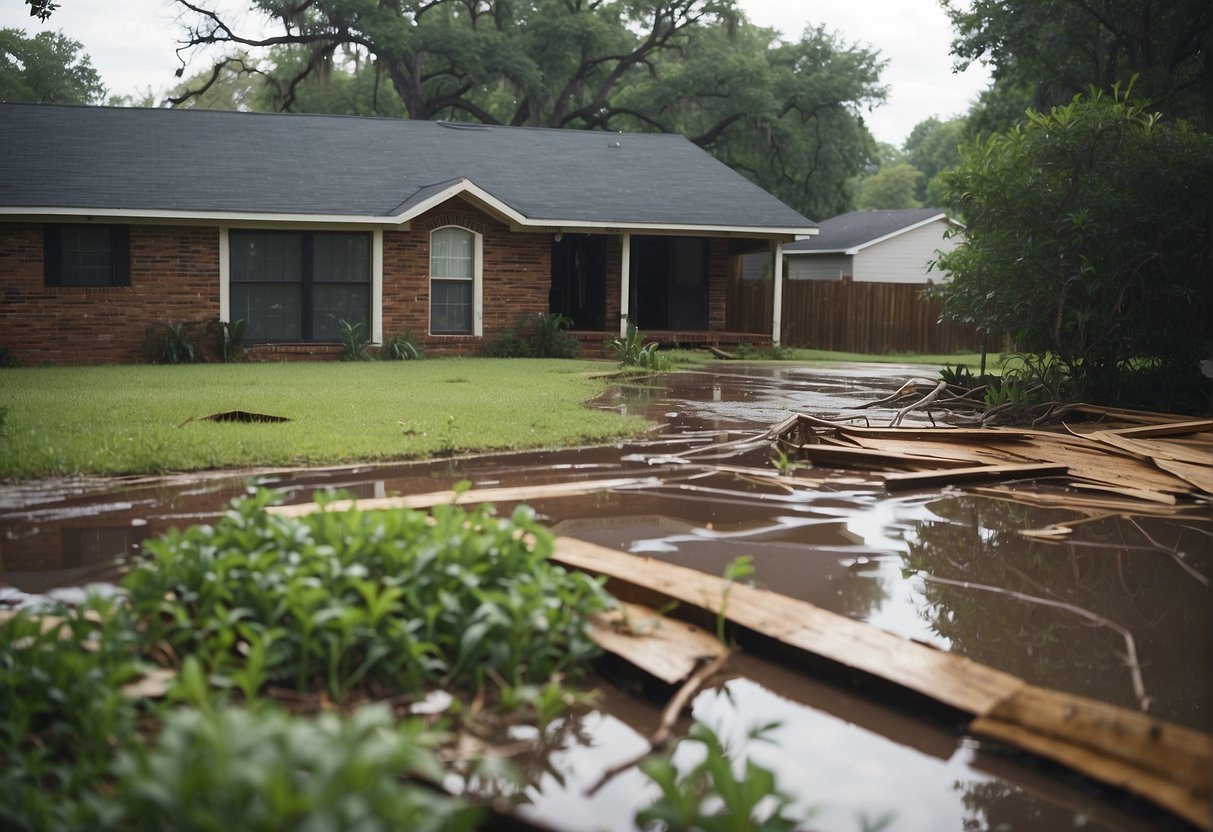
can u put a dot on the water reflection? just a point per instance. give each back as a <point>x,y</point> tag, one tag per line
<point>1107,614</point>
<point>952,570</point>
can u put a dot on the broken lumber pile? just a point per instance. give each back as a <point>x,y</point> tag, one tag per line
<point>1164,464</point>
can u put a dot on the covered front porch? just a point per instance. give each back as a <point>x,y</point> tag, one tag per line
<point>675,288</point>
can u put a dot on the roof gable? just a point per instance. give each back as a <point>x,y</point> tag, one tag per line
<point>849,233</point>
<point>300,166</point>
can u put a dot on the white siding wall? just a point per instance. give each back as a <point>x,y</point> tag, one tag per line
<point>904,258</point>
<point>818,266</point>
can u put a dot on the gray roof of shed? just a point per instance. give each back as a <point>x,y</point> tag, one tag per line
<point>160,160</point>
<point>857,228</point>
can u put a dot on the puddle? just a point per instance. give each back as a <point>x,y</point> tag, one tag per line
<point>1120,611</point>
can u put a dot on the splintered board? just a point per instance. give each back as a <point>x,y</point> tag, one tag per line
<point>1161,462</point>
<point>1165,763</point>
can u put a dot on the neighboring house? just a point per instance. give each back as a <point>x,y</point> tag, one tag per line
<point>874,246</point>
<point>112,219</point>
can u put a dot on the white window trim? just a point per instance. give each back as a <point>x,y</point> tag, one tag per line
<point>477,285</point>
<point>225,276</point>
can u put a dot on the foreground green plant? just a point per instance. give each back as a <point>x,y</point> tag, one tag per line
<point>384,599</point>
<point>228,768</point>
<point>62,711</point>
<point>711,796</point>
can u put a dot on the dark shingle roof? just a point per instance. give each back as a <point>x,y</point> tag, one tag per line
<point>847,231</point>
<point>211,161</point>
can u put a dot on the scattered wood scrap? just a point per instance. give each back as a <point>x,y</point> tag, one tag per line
<point>1165,464</point>
<point>1168,764</point>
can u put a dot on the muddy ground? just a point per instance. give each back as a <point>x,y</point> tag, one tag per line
<point>944,567</point>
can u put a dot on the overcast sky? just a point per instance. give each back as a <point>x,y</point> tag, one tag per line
<point>132,42</point>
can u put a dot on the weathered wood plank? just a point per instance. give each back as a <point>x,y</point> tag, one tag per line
<point>953,680</point>
<point>980,473</point>
<point>663,647</point>
<point>474,496</point>
<point>1080,733</point>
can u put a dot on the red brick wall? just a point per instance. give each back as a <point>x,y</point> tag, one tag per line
<point>517,277</point>
<point>174,278</point>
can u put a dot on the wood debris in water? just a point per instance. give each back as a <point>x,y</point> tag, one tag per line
<point>1165,464</point>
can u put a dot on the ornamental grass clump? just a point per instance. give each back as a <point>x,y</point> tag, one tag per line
<point>387,602</point>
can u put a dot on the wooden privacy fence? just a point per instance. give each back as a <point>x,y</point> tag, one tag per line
<point>849,317</point>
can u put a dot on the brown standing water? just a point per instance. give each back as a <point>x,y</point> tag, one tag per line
<point>944,567</point>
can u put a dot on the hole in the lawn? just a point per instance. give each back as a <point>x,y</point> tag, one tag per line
<point>242,416</point>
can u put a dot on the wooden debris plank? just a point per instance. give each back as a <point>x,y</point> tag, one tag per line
<point>952,434</point>
<point>1174,751</point>
<point>474,496</point>
<point>1056,725</point>
<point>1094,463</point>
<point>1154,448</point>
<point>1141,417</point>
<point>1077,502</point>
<point>663,647</point>
<point>973,453</point>
<point>953,680</point>
<point>1166,429</point>
<point>978,473</point>
<point>868,458</point>
<point>1193,808</point>
<point>1128,491</point>
<point>1198,476</point>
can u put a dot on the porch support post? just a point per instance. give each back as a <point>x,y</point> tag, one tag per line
<point>625,281</point>
<point>777,305</point>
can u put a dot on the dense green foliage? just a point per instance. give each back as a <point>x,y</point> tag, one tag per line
<point>535,336</point>
<point>227,768</point>
<point>336,600</point>
<point>786,114</point>
<point>47,68</point>
<point>144,418</point>
<point>891,188</point>
<point>340,607</point>
<point>1044,52</point>
<point>1088,238</point>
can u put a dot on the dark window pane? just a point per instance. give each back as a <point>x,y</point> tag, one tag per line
<point>273,312</point>
<point>85,255</point>
<point>336,302</point>
<point>266,256</point>
<point>451,306</point>
<point>341,257</point>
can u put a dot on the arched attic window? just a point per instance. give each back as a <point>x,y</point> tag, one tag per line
<point>456,258</point>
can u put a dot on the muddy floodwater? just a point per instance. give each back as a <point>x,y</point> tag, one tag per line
<point>1119,611</point>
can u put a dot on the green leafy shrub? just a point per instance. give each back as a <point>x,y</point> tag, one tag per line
<point>535,336</point>
<point>235,769</point>
<point>171,344</point>
<point>711,795</point>
<point>62,711</point>
<point>632,351</point>
<point>229,338</point>
<point>335,600</point>
<point>551,340</point>
<point>399,347</point>
<point>353,341</point>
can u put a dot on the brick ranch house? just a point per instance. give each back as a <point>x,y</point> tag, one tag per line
<point>112,219</point>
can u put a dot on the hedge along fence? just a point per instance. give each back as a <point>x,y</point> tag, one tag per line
<point>847,316</point>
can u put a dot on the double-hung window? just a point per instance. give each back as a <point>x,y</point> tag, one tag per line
<point>299,285</point>
<point>453,266</point>
<point>86,255</point>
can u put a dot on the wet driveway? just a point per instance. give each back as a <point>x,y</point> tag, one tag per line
<point>1120,611</point>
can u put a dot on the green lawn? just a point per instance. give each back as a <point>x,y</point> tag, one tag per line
<point>136,419</point>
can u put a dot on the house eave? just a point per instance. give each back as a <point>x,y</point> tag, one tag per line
<point>476,195</point>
